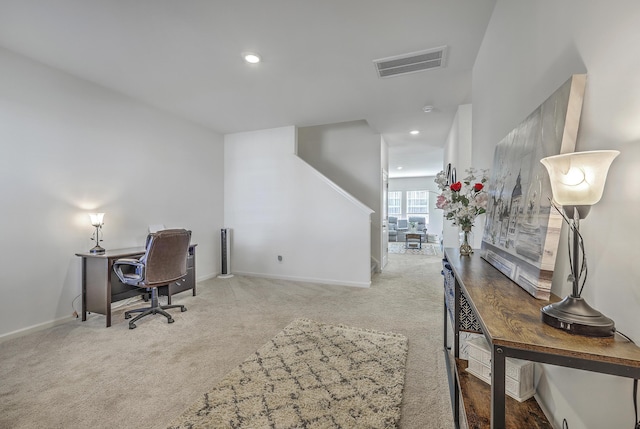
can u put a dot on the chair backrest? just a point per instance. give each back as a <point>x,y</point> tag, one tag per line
<point>419,221</point>
<point>402,224</point>
<point>393,222</point>
<point>166,256</point>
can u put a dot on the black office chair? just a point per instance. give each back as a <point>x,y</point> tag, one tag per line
<point>164,262</point>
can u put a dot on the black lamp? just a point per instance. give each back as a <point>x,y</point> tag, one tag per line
<point>577,182</point>
<point>97,220</point>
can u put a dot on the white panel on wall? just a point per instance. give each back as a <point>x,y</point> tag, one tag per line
<point>458,154</point>
<point>278,205</point>
<point>349,154</point>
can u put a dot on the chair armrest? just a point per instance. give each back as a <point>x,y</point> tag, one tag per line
<point>129,261</point>
<point>117,268</point>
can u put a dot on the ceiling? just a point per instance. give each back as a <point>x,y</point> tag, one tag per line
<point>184,56</point>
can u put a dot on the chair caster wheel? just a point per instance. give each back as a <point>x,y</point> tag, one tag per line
<point>127,316</point>
<point>132,326</point>
<point>183,309</point>
<point>170,320</point>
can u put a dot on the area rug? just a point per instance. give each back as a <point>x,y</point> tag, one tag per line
<point>310,375</point>
<point>427,249</point>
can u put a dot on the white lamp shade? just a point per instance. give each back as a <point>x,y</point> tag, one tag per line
<point>578,178</point>
<point>96,218</point>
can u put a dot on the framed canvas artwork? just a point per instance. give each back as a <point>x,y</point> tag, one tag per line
<point>522,230</point>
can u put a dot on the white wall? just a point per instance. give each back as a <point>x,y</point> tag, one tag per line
<point>349,154</point>
<point>529,50</point>
<point>70,147</point>
<point>434,225</point>
<point>277,204</point>
<point>457,151</point>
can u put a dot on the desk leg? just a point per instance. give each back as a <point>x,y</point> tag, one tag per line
<point>456,349</point>
<point>456,319</point>
<point>498,388</point>
<point>454,390</point>
<point>84,289</point>
<point>96,297</point>
<point>445,324</point>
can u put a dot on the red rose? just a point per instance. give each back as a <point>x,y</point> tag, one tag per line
<point>478,187</point>
<point>455,187</point>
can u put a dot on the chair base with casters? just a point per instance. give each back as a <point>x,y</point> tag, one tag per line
<point>154,309</point>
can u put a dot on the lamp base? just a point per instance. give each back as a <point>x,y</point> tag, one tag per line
<point>97,249</point>
<point>575,316</point>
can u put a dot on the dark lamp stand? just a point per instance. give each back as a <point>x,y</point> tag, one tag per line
<point>573,314</point>
<point>97,248</point>
<point>97,222</point>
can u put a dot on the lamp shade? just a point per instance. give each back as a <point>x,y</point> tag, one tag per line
<point>578,178</point>
<point>96,218</point>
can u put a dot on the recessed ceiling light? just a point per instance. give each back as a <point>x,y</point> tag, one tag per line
<point>251,58</point>
<point>400,168</point>
<point>427,109</point>
<point>414,132</point>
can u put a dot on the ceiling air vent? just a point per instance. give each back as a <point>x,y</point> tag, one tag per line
<point>411,63</point>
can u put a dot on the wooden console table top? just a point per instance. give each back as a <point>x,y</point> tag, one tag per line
<point>510,317</point>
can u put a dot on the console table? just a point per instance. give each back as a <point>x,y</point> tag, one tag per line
<point>510,321</point>
<point>101,286</point>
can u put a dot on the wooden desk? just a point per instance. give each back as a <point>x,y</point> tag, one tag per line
<point>511,322</point>
<point>101,286</point>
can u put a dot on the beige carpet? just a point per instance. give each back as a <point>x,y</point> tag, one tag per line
<point>83,375</point>
<point>310,375</point>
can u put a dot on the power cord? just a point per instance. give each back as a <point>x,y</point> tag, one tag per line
<point>565,425</point>
<point>75,312</point>
<point>627,338</point>
<point>635,389</point>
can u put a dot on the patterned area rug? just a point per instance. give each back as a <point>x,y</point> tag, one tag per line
<point>427,249</point>
<point>310,375</point>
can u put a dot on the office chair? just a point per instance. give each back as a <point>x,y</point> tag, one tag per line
<point>164,262</point>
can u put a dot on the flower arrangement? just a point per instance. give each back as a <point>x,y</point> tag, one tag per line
<point>463,201</point>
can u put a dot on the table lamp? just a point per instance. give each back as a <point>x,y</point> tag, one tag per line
<point>577,182</point>
<point>97,220</point>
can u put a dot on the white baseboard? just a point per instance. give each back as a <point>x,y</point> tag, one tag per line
<point>207,277</point>
<point>52,323</point>
<point>306,279</point>
<point>35,328</point>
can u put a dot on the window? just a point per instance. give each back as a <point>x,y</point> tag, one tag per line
<point>394,199</point>
<point>417,202</point>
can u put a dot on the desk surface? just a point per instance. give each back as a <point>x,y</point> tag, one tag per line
<point>110,253</point>
<point>118,253</point>
<point>511,317</point>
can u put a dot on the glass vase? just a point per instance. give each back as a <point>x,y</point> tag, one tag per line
<point>466,238</point>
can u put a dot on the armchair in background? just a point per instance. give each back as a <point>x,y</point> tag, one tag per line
<point>393,228</point>
<point>164,262</point>
<point>403,228</point>
<point>420,225</point>
<point>417,233</point>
